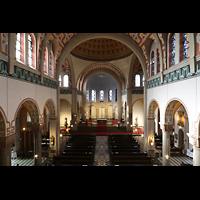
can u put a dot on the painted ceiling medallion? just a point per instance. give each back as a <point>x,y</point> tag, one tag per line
<point>101,49</point>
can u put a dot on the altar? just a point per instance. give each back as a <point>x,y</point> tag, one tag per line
<point>100,121</point>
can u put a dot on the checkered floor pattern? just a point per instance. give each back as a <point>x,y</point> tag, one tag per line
<point>27,161</point>
<point>176,161</point>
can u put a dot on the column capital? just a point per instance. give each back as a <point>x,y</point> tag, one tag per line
<point>169,127</point>
<point>37,127</point>
<point>150,118</point>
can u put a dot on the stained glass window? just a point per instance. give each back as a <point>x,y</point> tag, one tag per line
<point>60,80</point>
<point>101,95</point>
<point>152,63</point>
<point>50,63</point>
<point>109,95</point>
<point>93,95</point>
<point>158,61</point>
<point>18,47</point>
<point>185,46</point>
<point>143,79</point>
<point>46,61</point>
<point>66,81</point>
<point>87,95</point>
<point>173,50</point>
<point>137,80</point>
<point>30,51</point>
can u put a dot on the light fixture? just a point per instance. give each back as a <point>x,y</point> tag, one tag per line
<point>167,157</point>
<point>36,156</point>
<point>24,129</point>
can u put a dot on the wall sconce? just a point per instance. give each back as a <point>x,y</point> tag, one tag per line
<point>52,140</point>
<point>24,129</point>
<point>36,156</point>
<point>167,157</point>
<point>151,141</point>
<point>61,135</point>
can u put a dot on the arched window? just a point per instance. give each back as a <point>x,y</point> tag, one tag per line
<point>137,80</point>
<point>46,61</point>
<point>143,79</point>
<point>60,80</point>
<point>87,95</point>
<point>31,51</point>
<point>172,49</point>
<point>152,63</point>
<point>101,95</point>
<point>66,81</point>
<point>51,66</point>
<point>4,43</point>
<point>20,41</point>
<point>93,95</point>
<point>158,61</point>
<point>109,95</point>
<point>183,46</point>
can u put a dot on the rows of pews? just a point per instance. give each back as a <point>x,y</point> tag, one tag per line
<point>125,151</point>
<point>79,151</point>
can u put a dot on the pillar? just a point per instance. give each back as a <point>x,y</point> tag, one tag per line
<point>37,131</point>
<point>5,149</point>
<point>54,135</point>
<point>74,109</point>
<point>145,117</point>
<point>196,156</point>
<point>195,141</point>
<point>129,109</point>
<point>151,130</point>
<point>167,131</point>
<point>84,105</point>
<point>57,120</point>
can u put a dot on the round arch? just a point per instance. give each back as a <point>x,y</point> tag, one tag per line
<point>152,106</point>
<point>82,37</point>
<point>51,106</point>
<point>96,68</point>
<point>32,107</point>
<point>171,108</point>
<point>119,88</point>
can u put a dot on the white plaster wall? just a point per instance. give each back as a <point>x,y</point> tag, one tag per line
<point>13,92</point>
<point>186,91</point>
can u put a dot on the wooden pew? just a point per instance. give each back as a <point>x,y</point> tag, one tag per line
<point>79,151</point>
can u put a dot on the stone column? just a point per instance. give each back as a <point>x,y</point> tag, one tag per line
<point>167,131</point>
<point>54,135</point>
<point>74,109</point>
<point>195,141</point>
<point>37,131</point>
<point>196,156</point>
<point>151,130</point>
<point>5,149</point>
<point>145,117</point>
<point>129,109</point>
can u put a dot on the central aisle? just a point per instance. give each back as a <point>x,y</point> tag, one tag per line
<point>101,157</point>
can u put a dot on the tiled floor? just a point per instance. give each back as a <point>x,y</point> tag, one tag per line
<point>101,157</point>
<point>176,161</point>
<point>26,161</point>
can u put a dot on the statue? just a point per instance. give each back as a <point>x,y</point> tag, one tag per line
<point>66,122</point>
<point>136,121</point>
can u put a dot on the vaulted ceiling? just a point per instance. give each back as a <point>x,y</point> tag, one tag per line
<point>94,49</point>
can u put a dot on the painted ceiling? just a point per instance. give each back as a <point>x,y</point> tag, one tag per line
<point>101,49</point>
